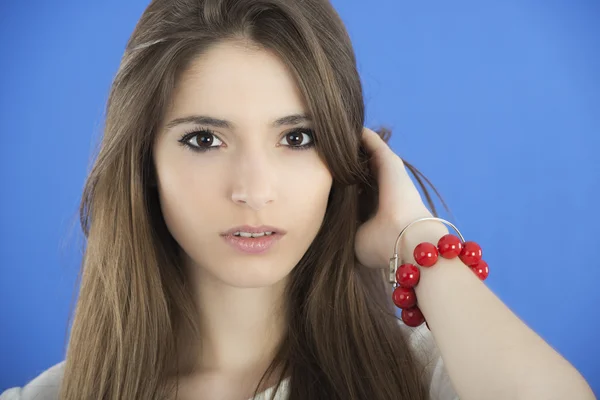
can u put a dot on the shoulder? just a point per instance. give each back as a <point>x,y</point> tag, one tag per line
<point>429,358</point>
<point>43,387</point>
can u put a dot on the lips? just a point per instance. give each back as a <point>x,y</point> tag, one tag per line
<point>257,245</point>
<point>254,229</point>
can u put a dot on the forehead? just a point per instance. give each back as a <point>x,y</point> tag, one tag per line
<point>238,82</point>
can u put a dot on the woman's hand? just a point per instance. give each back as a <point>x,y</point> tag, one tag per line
<point>399,204</point>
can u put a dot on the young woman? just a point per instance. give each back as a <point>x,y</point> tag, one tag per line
<point>240,221</point>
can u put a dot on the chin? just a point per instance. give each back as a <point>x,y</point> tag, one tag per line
<point>255,282</point>
<point>256,274</point>
<point>246,273</point>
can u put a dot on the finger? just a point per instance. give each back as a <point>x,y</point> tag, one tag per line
<point>373,143</point>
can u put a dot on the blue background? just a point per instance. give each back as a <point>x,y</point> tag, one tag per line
<point>497,102</point>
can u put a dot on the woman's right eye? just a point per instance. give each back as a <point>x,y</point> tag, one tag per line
<point>200,140</point>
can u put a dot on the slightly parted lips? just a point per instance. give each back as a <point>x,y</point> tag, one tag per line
<point>254,229</point>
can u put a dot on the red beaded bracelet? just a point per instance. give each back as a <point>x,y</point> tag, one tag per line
<point>406,276</point>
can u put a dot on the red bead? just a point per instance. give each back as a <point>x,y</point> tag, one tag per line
<point>412,317</point>
<point>449,246</point>
<point>426,254</point>
<point>470,254</point>
<point>404,297</point>
<point>481,270</point>
<point>408,275</point>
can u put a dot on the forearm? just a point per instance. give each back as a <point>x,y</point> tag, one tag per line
<point>488,351</point>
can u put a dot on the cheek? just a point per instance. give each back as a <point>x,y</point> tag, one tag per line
<point>305,194</point>
<point>189,196</point>
<point>308,190</point>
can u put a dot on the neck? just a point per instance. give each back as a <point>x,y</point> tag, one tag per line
<point>240,328</point>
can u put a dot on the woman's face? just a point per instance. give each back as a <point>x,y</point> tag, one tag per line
<point>250,170</point>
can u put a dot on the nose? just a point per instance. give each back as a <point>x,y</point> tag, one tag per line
<point>253,180</point>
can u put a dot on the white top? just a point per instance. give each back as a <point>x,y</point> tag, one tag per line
<point>46,385</point>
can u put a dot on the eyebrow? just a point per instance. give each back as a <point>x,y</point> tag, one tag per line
<point>293,119</point>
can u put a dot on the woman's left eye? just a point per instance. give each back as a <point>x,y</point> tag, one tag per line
<point>295,139</point>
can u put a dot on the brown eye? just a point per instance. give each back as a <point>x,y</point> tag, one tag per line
<point>200,140</point>
<point>203,139</point>
<point>299,138</point>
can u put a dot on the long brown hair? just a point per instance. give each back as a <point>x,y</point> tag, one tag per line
<point>343,339</point>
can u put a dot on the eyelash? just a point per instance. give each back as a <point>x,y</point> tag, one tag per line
<point>184,140</point>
